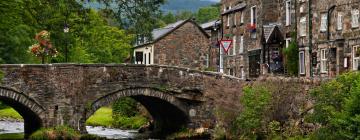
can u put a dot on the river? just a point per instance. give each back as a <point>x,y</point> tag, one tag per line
<point>18,127</point>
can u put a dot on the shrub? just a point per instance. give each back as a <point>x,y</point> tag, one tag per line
<point>250,122</point>
<point>125,107</point>
<point>337,108</point>
<point>59,132</point>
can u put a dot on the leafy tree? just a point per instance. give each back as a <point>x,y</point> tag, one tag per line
<point>125,107</point>
<point>292,57</point>
<point>255,101</point>
<point>207,14</point>
<point>337,108</point>
<point>139,16</point>
<point>169,18</point>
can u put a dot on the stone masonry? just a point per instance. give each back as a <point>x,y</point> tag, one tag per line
<point>68,94</point>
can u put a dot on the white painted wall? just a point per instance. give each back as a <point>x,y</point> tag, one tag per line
<point>146,50</point>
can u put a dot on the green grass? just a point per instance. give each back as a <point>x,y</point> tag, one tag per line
<point>102,117</point>
<point>12,136</point>
<point>10,113</point>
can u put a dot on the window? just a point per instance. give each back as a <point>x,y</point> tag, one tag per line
<point>149,58</point>
<point>234,47</point>
<point>303,26</point>
<point>323,26</point>
<point>340,21</point>
<point>139,57</point>
<point>235,18</point>
<point>241,50</point>
<point>242,73</point>
<point>253,15</point>
<point>287,41</point>
<point>231,72</point>
<point>228,20</point>
<point>302,62</point>
<point>242,17</point>
<point>355,18</point>
<point>288,13</point>
<point>356,57</point>
<point>323,61</point>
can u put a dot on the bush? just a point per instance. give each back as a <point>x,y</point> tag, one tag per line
<point>129,122</point>
<point>337,108</point>
<point>251,121</point>
<point>125,107</point>
<point>59,132</point>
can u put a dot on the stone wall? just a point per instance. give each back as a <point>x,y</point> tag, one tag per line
<point>187,46</point>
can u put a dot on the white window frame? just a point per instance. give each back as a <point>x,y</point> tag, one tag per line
<point>288,12</point>
<point>302,62</point>
<point>355,59</point>
<point>253,15</point>
<point>242,73</point>
<point>234,45</point>
<point>228,20</point>
<point>303,26</point>
<point>355,18</point>
<point>235,19</point>
<point>340,18</point>
<point>323,25</point>
<point>323,61</point>
<point>241,48</point>
<point>242,17</point>
<point>287,42</point>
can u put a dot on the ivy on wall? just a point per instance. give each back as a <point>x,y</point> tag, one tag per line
<point>292,57</point>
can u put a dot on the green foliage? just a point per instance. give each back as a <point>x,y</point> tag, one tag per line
<point>102,117</point>
<point>337,108</point>
<point>12,136</point>
<point>91,137</point>
<point>59,132</point>
<point>126,107</point>
<point>207,14</point>
<point>250,122</point>
<point>9,113</point>
<point>1,75</point>
<point>292,58</point>
<point>134,122</point>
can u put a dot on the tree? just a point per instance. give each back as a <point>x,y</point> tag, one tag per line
<point>207,14</point>
<point>139,16</point>
<point>337,108</point>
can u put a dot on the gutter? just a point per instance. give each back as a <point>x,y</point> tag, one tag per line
<point>330,10</point>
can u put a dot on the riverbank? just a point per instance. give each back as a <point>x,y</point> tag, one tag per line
<point>10,114</point>
<point>103,117</point>
<point>12,136</point>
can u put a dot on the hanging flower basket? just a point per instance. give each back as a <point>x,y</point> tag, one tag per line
<point>251,27</point>
<point>43,47</point>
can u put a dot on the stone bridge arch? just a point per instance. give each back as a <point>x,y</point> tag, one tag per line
<point>169,113</point>
<point>28,108</point>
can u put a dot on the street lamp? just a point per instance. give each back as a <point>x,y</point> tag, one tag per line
<point>66,30</point>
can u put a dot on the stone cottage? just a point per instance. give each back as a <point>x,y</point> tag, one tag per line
<point>183,44</point>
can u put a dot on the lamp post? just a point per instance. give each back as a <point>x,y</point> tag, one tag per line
<point>66,30</point>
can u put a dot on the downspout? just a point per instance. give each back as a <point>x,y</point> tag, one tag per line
<point>310,36</point>
<point>330,10</point>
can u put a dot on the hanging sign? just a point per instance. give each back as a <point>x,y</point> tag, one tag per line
<point>226,45</point>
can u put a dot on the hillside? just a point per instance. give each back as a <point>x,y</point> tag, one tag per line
<point>182,5</point>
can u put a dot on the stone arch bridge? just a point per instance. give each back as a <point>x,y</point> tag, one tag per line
<point>67,94</point>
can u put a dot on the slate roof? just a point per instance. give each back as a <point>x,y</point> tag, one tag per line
<point>211,24</point>
<point>157,34</point>
<point>271,30</point>
<point>238,7</point>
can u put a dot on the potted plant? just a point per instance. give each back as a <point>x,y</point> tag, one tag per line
<point>43,47</point>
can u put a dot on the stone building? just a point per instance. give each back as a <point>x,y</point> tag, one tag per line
<point>259,30</point>
<point>327,35</point>
<point>334,37</point>
<point>213,29</point>
<point>183,44</point>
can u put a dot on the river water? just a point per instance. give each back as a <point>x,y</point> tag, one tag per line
<point>18,127</point>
